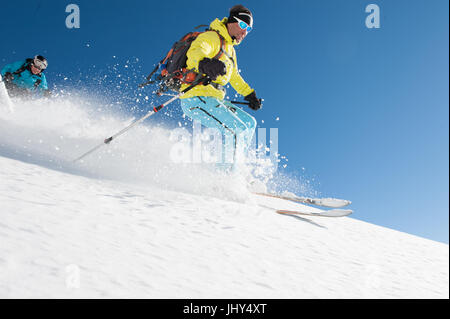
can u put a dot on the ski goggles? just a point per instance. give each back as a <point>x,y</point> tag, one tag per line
<point>40,65</point>
<point>37,67</point>
<point>243,25</point>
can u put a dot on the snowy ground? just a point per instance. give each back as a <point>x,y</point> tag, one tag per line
<point>67,231</point>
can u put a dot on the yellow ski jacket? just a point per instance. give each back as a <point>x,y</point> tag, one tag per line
<point>208,45</point>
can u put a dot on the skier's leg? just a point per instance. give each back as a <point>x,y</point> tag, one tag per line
<point>236,126</point>
<point>212,114</point>
<point>248,123</point>
<point>15,91</point>
<point>243,126</point>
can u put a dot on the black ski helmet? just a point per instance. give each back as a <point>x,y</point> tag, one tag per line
<point>40,62</point>
<point>242,13</point>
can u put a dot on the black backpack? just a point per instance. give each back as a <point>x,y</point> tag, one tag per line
<point>173,72</point>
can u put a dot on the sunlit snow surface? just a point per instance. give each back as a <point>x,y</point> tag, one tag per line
<point>128,222</point>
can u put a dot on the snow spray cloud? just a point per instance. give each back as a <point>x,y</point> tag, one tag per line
<point>194,144</point>
<point>52,133</point>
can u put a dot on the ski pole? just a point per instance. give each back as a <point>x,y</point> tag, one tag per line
<point>150,113</point>
<point>237,102</point>
<point>244,103</point>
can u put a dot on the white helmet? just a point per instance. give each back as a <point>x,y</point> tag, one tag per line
<point>40,62</point>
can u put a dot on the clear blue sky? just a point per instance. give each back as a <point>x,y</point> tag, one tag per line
<point>364,111</point>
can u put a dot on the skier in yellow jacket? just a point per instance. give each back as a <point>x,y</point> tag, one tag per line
<point>206,103</point>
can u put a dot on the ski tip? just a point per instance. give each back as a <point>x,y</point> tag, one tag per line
<point>322,213</point>
<point>339,212</point>
<point>333,202</point>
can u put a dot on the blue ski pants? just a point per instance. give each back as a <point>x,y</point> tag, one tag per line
<point>236,126</point>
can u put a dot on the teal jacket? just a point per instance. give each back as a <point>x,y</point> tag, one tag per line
<point>36,83</point>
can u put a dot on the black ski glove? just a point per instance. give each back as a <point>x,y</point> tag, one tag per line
<point>8,77</point>
<point>255,103</point>
<point>212,68</point>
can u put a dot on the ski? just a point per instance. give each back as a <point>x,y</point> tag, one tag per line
<point>324,202</point>
<point>321,213</point>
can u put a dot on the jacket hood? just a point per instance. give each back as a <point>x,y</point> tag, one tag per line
<point>220,26</point>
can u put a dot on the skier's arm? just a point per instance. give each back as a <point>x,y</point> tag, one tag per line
<point>12,67</point>
<point>7,69</point>
<point>206,45</point>
<point>43,87</point>
<point>237,82</point>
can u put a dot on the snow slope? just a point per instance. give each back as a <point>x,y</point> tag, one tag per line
<point>129,223</point>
